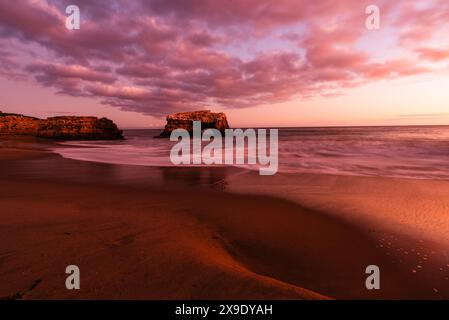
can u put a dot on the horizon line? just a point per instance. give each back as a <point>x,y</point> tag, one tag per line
<point>316,127</point>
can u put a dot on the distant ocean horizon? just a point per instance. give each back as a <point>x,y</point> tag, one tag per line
<point>419,152</point>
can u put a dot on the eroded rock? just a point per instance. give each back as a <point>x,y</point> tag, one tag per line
<point>79,128</point>
<point>17,124</point>
<point>66,128</point>
<point>184,120</point>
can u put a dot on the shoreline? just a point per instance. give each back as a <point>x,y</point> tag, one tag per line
<point>244,180</point>
<point>130,214</point>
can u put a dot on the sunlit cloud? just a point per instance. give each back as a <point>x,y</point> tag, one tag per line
<point>160,56</point>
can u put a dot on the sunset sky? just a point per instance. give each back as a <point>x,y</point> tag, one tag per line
<point>264,63</point>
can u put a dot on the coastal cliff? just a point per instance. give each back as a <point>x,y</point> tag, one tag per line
<point>183,120</point>
<point>66,128</point>
<point>17,124</point>
<point>85,128</point>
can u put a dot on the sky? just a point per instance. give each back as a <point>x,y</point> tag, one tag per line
<point>267,63</point>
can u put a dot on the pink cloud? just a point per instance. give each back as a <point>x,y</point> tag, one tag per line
<point>433,54</point>
<point>48,73</point>
<point>160,56</point>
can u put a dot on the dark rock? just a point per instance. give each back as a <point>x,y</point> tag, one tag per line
<point>67,128</point>
<point>184,120</point>
<point>78,128</point>
<point>16,124</point>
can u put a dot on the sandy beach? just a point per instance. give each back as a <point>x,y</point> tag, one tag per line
<point>197,233</point>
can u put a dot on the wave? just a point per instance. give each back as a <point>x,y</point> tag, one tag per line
<point>405,152</point>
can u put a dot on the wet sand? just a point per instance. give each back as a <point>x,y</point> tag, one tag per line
<point>194,233</point>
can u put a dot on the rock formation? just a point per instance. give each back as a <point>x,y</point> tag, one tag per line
<point>66,128</point>
<point>79,128</point>
<point>17,124</point>
<point>184,120</point>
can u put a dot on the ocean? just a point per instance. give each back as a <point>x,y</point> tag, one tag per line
<point>419,152</point>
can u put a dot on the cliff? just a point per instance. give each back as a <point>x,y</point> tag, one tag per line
<point>17,124</point>
<point>66,128</point>
<point>184,120</point>
<point>79,128</point>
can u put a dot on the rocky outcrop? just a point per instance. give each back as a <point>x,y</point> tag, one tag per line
<point>17,124</point>
<point>78,128</point>
<point>66,128</point>
<point>184,120</point>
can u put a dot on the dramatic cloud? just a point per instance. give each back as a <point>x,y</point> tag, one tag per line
<point>160,56</point>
